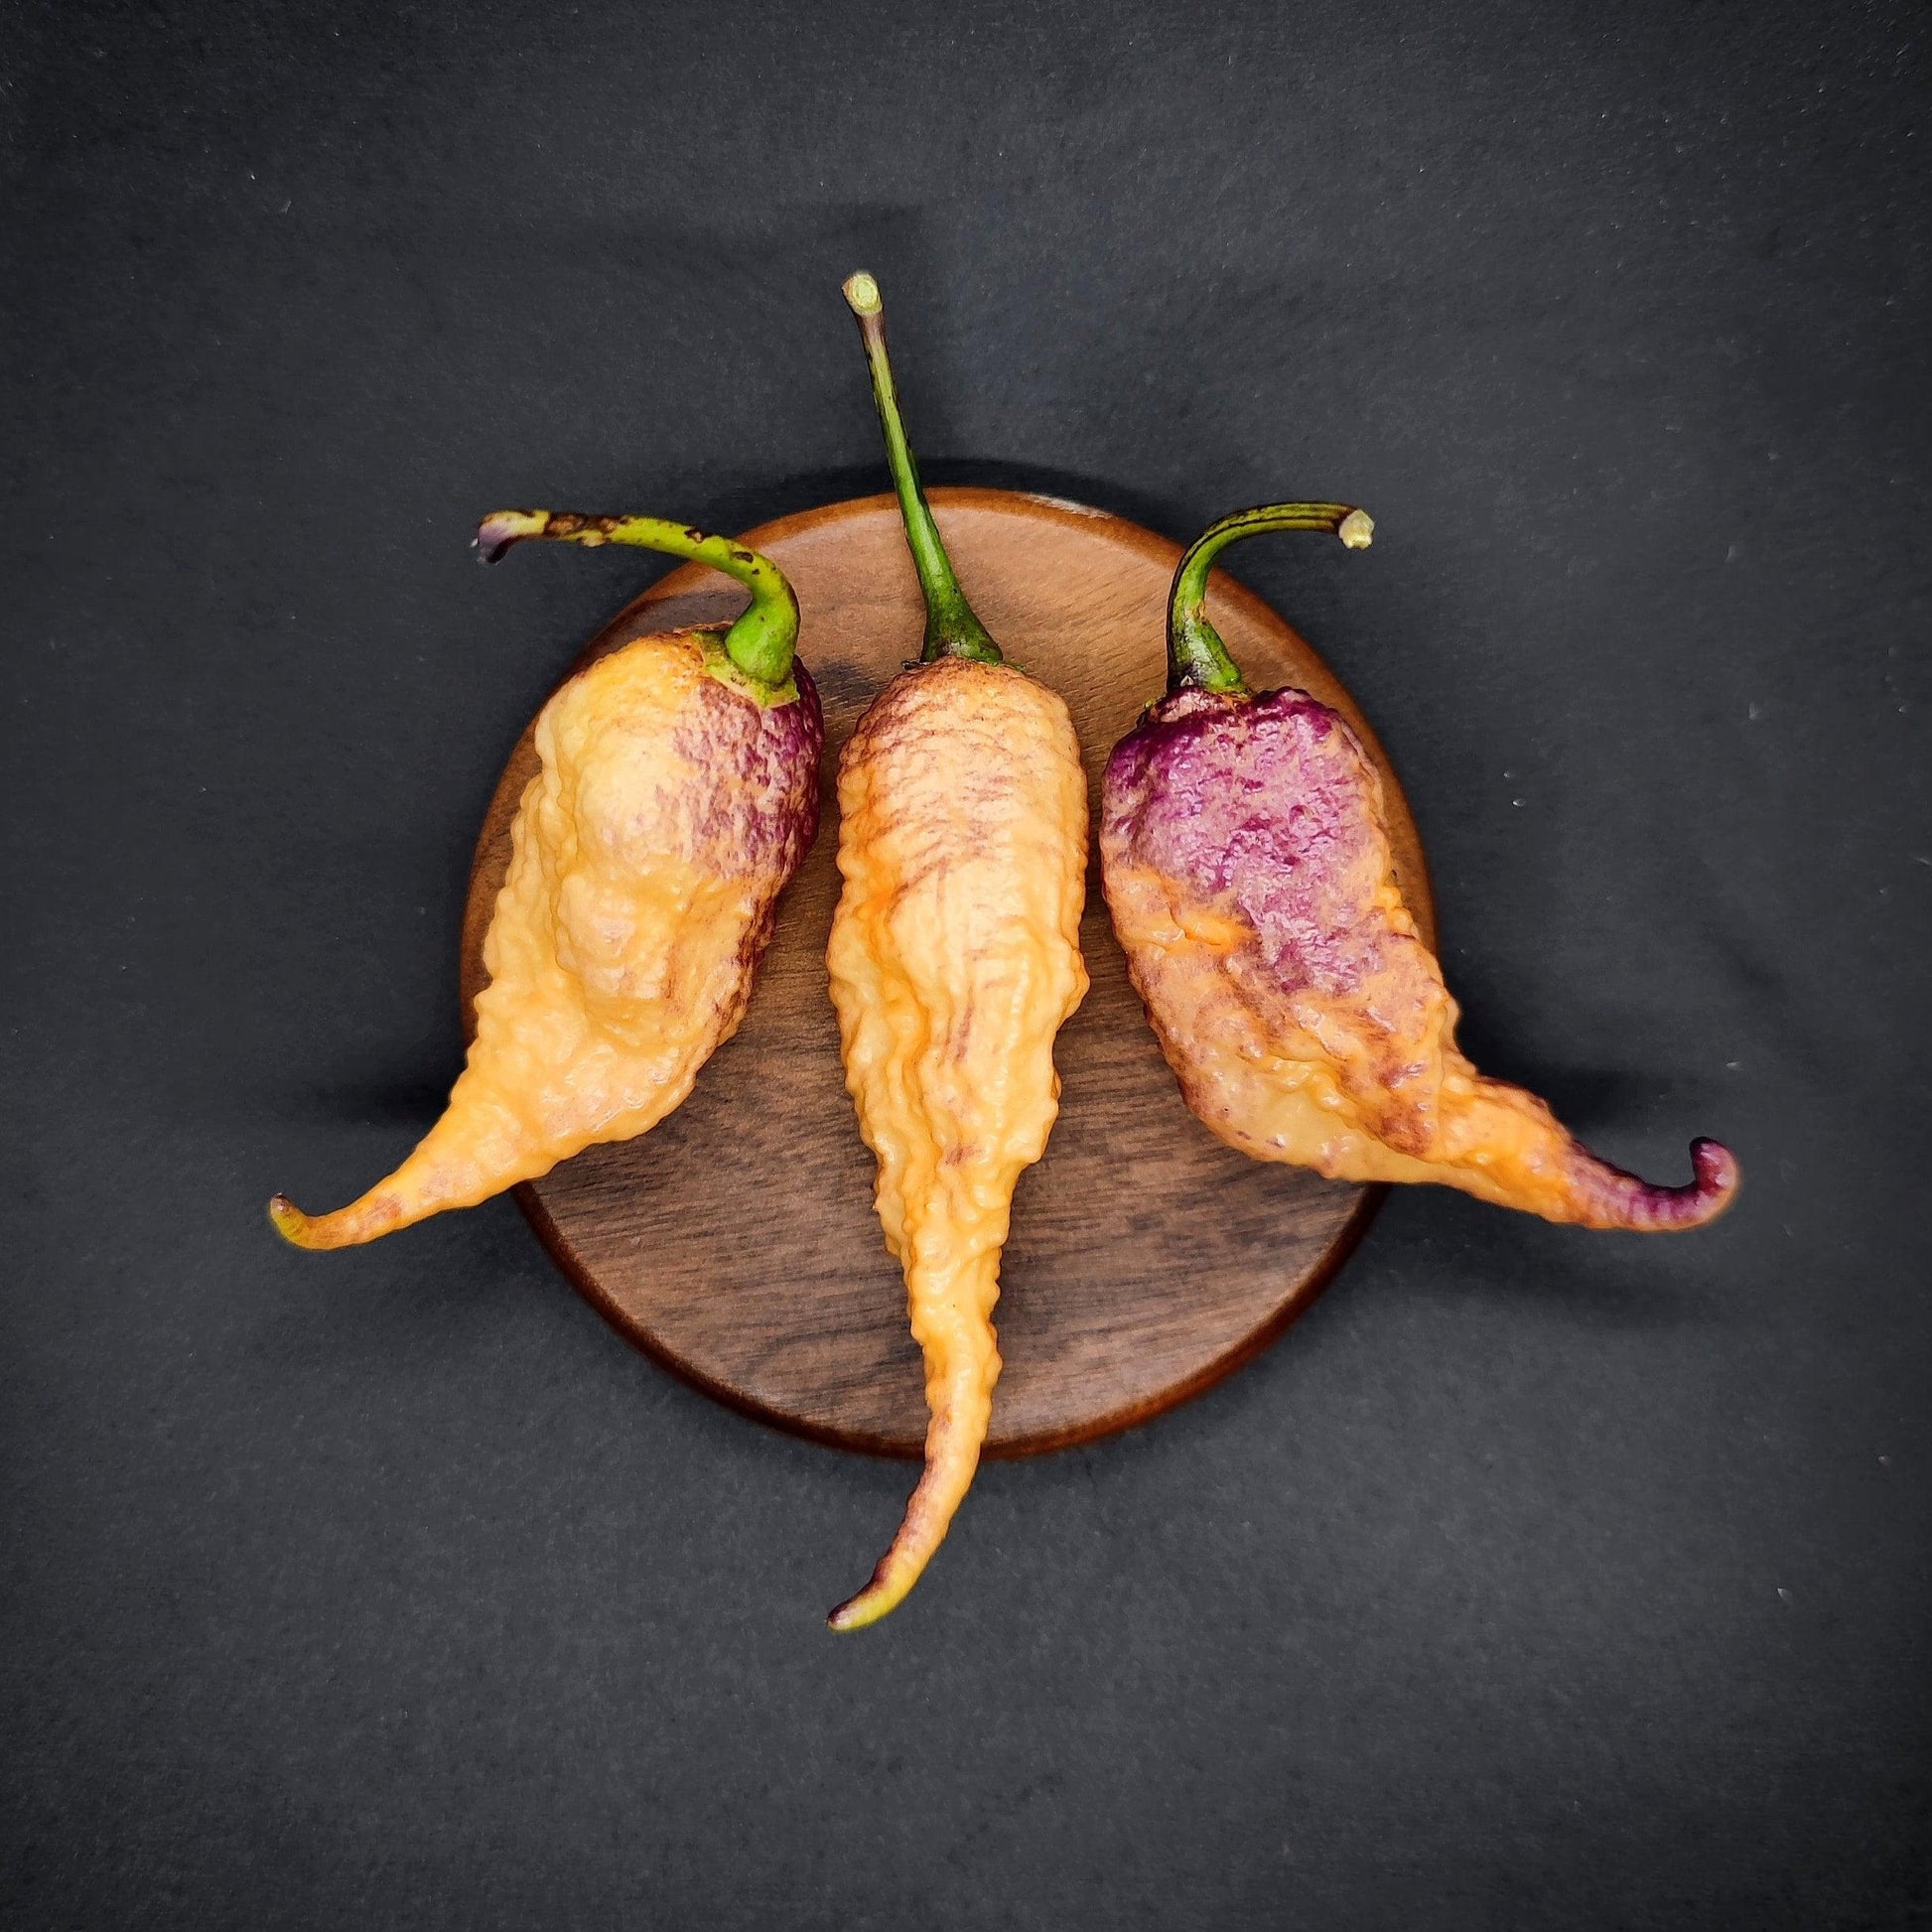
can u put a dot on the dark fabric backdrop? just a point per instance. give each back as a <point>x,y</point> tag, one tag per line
<point>1538,1578</point>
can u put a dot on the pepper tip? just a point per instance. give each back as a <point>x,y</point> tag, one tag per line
<point>862,294</point>
<point>289,1221</point>
<point>858,1611</point>
<point>1718,1174</point>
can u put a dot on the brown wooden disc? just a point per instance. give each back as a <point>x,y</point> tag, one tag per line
<point>735,1243</point>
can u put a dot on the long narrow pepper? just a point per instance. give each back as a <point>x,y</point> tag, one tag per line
<point>1246,862</point>
<point>954,961</point>
<point>678,791</point>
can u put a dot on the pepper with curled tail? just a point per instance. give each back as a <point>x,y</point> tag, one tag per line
<point>1246,864</point>
<point>677,795</point>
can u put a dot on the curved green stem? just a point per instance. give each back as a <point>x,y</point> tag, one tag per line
<point>1196,657</point>
<point>760,643</point>
<point>951,628</point>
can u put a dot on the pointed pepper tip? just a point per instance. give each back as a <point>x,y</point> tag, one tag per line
<point>858,1611</point>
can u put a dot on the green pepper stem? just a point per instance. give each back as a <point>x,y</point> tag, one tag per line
<point>951,628</point>
<point>760,643</point>
<point>1197,659</point>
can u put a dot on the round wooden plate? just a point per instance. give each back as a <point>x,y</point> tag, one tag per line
<point>735,1243</point>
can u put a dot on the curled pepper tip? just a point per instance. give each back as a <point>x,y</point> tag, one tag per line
<point>294,1226</point>
<point>862,292</point>
<point>1718,1176</point>
<point>1358,529</point>
<point>1621,1200</point>
<point>502,528</point>
<point>1616,1199</point>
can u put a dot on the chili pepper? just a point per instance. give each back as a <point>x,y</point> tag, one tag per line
<point>1246,863</point>
<point>954,960</point>
<point>678,792</point>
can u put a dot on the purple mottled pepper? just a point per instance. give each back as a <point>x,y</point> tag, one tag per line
<point>1247,866</point>
<point>678,791</point>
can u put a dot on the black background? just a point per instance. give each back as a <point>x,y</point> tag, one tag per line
<point>1539,1577</point>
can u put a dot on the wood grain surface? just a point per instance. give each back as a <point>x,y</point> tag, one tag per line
<point>737,1242</point>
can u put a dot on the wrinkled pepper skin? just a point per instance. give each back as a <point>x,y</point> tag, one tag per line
<point>647,856</point>
<point>1247,868</point>
<point>954,961</point>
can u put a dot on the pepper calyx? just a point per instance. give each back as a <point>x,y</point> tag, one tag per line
<point>719,664</point>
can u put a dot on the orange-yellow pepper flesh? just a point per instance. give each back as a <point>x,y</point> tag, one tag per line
<point>1275,1091</point>
<point>622,948</point>
<point>954,961</point>
<point>1294,1000</point>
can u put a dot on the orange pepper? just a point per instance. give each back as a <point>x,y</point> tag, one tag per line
<point>678,792</point>
<point>954,961</point>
